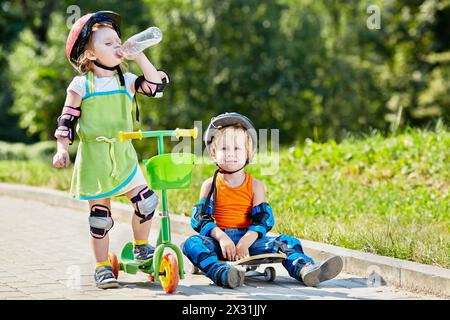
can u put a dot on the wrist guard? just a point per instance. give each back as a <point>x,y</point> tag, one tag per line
<point>66,122</point>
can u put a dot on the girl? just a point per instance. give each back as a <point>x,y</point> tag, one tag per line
<point>100,98</point>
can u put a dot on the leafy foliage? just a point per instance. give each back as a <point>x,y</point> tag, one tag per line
<point>309,68</point>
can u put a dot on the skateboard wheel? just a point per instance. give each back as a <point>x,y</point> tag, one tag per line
<point>269,274</point>
<point>151,277</point>
<point>114,264</point>
<point>168,271</point>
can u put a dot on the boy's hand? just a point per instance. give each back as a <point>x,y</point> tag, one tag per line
<point>245,243</point>
<point>61,159</point>
<point>242,250</point>
<point>228,247</point>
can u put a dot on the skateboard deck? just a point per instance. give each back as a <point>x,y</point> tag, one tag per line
<point>251,263</point>
<point>258,259</point>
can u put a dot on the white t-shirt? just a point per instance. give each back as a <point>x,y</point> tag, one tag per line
<point>102,84</point>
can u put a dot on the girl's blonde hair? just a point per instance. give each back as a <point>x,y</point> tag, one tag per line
<point>221,132</point>
<point>85,65</point>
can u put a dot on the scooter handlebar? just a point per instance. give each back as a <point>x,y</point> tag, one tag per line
<point>130,135</point>
<point>187,132</point>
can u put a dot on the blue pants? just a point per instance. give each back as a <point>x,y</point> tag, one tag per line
<point>205,252</point>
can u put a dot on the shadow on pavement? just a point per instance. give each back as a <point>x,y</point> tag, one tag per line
<point>283,288</point>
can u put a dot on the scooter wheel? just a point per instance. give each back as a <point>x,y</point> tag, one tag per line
<point>168,271</point>
<point>114,263</point>
<point>269,274</point>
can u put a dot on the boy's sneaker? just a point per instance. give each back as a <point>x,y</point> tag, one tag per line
<point>143,252</point>
<point>313,274</point>
<point>231,277</point>
<point>309,274</point>
<point>104,278</point>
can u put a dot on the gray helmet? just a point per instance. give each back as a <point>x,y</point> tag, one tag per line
<point>229,120</point>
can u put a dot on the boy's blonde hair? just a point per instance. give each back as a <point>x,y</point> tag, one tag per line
<point>222,131</point>
<point>85,65</point>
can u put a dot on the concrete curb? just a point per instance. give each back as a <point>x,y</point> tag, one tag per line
<point>378,270</point>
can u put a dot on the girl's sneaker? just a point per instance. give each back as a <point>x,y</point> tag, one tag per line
<point>143,252</point>
<point>104,278</point>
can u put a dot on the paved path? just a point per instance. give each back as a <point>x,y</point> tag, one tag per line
<point>45,253</point>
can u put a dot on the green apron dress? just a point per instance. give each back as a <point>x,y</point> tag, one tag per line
<point>103,164</point>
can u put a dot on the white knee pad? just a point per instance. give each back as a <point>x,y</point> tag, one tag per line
<point>145,203</point>
<point>100,221</point>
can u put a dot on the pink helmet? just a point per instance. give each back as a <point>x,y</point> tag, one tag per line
<point>82,29</point>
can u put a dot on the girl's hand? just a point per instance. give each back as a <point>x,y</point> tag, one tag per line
<point>132,57</point>
<point>61,159</point>
<point>228,248</point>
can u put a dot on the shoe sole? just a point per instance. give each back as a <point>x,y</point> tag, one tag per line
<point>108,285</point>
<point>311,279</point>
<point>235,278</point>
<point>330,268</point>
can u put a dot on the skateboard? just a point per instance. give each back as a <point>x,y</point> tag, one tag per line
<point>250,265</point>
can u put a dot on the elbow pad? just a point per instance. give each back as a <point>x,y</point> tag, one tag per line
<point>201,217</point>
<point>156,89</point>
<point>262,219</point>
<point>66,127</point>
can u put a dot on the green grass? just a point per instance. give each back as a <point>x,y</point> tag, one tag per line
<point>383,195</point>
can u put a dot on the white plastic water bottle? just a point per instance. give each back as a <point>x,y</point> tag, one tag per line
<point>142,40</point>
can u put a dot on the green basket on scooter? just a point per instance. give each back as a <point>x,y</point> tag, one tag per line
<point>170,170</point>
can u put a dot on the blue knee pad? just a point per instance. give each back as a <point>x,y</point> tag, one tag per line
<point>199,253</point>
<point>287,245</point>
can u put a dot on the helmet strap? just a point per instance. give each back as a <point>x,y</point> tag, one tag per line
<point>115,68</point>
<point>221,170</point>
<point>212,190</point>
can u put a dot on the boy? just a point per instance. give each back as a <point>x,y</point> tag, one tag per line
<point>234,224</point>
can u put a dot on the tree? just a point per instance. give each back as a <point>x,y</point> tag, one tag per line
<point>309,68</point>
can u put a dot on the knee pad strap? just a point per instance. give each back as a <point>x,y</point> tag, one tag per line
<point>146,202</point>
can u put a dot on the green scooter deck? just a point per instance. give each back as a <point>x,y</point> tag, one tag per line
<point>132,266</point>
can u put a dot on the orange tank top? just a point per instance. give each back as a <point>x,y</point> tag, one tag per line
<point>233,205</point>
